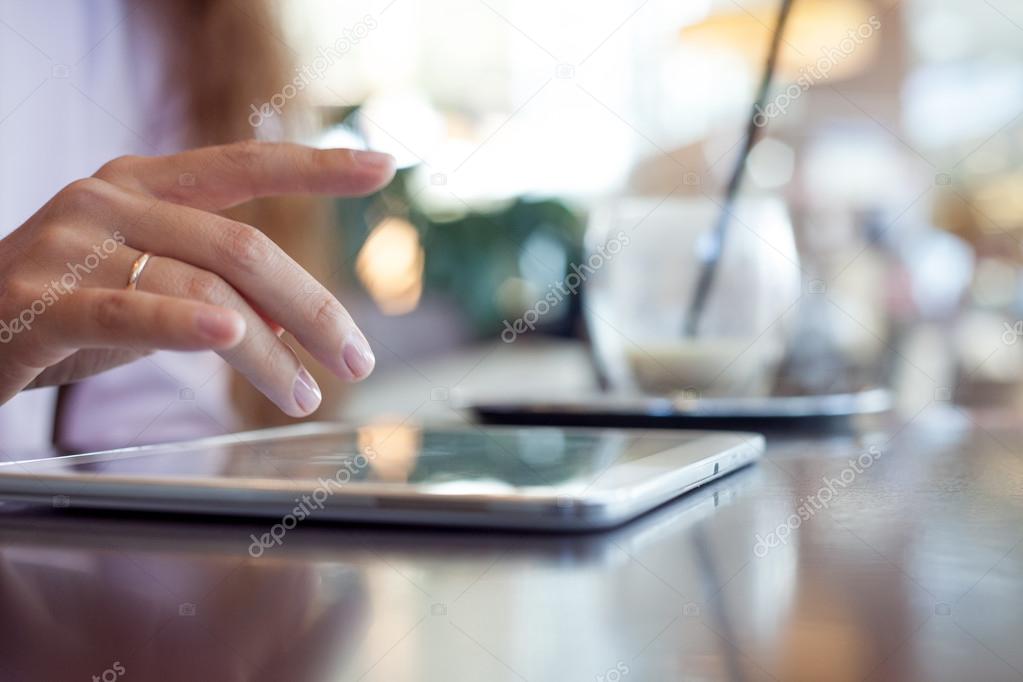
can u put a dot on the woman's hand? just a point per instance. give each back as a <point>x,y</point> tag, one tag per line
<point>212,283</point>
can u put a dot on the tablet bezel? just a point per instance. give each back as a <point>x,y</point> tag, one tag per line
<point>622,492</point>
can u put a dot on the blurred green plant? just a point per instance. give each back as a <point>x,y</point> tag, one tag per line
<point>471,255</point>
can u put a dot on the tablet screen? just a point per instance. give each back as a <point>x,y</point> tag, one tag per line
<point>385,453</point>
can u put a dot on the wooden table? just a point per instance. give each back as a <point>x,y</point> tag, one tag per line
<point>910,568</point>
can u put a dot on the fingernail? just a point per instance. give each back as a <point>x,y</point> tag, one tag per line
<point>217,326</point>
<point>307,393</point>
<point>359,357</point>
<point>372,159</point>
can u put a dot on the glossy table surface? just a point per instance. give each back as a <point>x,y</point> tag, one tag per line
<point>890,552</point>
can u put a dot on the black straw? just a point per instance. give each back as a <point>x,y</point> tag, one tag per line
<point>753,131</point>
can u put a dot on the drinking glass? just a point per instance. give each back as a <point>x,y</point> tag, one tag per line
<point>643,259</point>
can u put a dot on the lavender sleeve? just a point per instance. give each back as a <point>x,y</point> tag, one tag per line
<point>163,397</point>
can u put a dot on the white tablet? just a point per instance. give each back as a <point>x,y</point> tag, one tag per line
<point>530,478</point>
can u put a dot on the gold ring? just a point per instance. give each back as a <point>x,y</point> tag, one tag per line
<point>136,270</point>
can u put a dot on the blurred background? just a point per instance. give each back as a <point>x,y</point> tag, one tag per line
<point>882,209</point>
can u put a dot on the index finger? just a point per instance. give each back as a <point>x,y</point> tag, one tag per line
<point>216,178</point>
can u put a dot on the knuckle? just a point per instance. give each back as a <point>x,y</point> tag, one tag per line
<point>85,194</point>
<point>111,312</point>
<point>18,293</point>
<point>276,360</point>
<point>327,311</point>
<point>57,237</point>
<point>117,168</point>
<point>206,287</point>
<point>244,153</point>
<point>26,316</point>
<point>246,246</point>
<point>31,353</point>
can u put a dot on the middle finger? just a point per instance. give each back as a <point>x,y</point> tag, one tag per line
<point>261,356</point>
<point>261,271</point>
